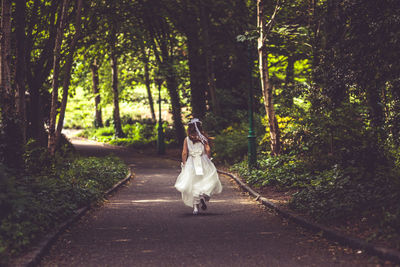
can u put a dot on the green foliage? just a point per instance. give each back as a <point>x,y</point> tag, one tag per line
<point>47,193</point>
<point>335,161</point>
<point>340,193</point>
<point>139,134</point>
<point>230,144</point>
<point>283,171</point>
<point>331,194</point>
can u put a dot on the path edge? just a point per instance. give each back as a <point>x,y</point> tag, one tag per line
<point>36,253</point>
<point>355,243</point>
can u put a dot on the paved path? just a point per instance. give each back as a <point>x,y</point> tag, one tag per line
<point>146,224</point>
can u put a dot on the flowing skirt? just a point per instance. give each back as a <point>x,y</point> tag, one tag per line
<point>193,186</point>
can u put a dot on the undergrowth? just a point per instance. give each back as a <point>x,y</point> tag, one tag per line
<point>138,135</point>
<point>47,191</point>
<point>333,194</point>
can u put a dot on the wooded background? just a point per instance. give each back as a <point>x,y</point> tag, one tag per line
<point>325,76</point>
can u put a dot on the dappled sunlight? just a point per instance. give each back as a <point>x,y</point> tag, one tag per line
<point>119,203</point>
<point>162,175</point>
<point>153,200</point>
<point>122,240</point>
<point>112,228</point>
<point>268,233</point>
<point>236,201</point>
<point>86,142</point>
<point>142,201</point>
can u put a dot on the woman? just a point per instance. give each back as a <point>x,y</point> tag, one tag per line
<point>198,180</point>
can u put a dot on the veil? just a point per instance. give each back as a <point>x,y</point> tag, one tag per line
<point>202,138</point>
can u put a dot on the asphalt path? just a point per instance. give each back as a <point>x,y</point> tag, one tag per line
<point>146,224</point>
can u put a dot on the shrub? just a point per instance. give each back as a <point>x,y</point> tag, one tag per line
<point>231,144</point>
<point>139,134</point>
<point>40,197</point>
<point>330,194</point>
<point>284,171</point>
<point>340,192</point>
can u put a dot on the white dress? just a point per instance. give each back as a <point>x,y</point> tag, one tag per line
<point>198,177</point>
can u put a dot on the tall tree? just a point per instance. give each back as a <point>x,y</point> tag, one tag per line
<point>11,154</point>
<point>67,70</point>
<point>41,18</point>
<point>145,61</point>
<point>56,72</point>
<point>98,121</point>
<point>186,18</point>
<point>163,42</point>
<point>114,78</point>
<point>7,96</point>
<point>266,84</point>
<point>20,70</point>
<point>209,65</point>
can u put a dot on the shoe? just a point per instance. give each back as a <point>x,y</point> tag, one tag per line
<point>203,204</point>
<point>206,197</point>
<point>195,209</point>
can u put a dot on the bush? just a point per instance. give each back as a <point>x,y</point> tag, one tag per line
<point>283,171</point>
<point>341,192</point>
<point>40,197</point>
<point>139,134</point>
<point>231,144</point>
<point>331,194</point>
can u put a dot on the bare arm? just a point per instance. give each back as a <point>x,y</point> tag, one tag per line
<point>207,149</point>
<point>184,152</point>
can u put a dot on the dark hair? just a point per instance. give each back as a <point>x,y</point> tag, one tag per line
<point>192,133</point>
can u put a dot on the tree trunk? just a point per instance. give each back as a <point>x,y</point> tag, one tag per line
<point>147,83</point>
<point>204,19</point>
<point>176,107</point>
<point>98,121</point>
<point>67,74</point>
<point>11,150</point>
<point>55,83</point>
<point>7,96</point>
<point>38,72</point>
<point>198,98</point>
<point>265,81</point>
<point>35,116</point>
<point>20,70</point>
<point>114,73</point>
<point>161,42</point>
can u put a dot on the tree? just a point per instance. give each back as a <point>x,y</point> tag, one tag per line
<point>145,61</point>
<point>98,121</point>
<point>209,65</point>
<point>55,82</point>
<point>163,42</point>
<point>185,16</point>
<point>266,84</point>
<point>41,31</point>
<point>7,93</point>
<point>67,72</point>
<point>9,126</point>
<point>20,70</point>
<point>114,73</point>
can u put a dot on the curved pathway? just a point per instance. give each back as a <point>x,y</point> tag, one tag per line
<point>146,224</point>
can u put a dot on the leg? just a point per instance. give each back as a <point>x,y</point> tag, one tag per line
<point>196,202</point>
